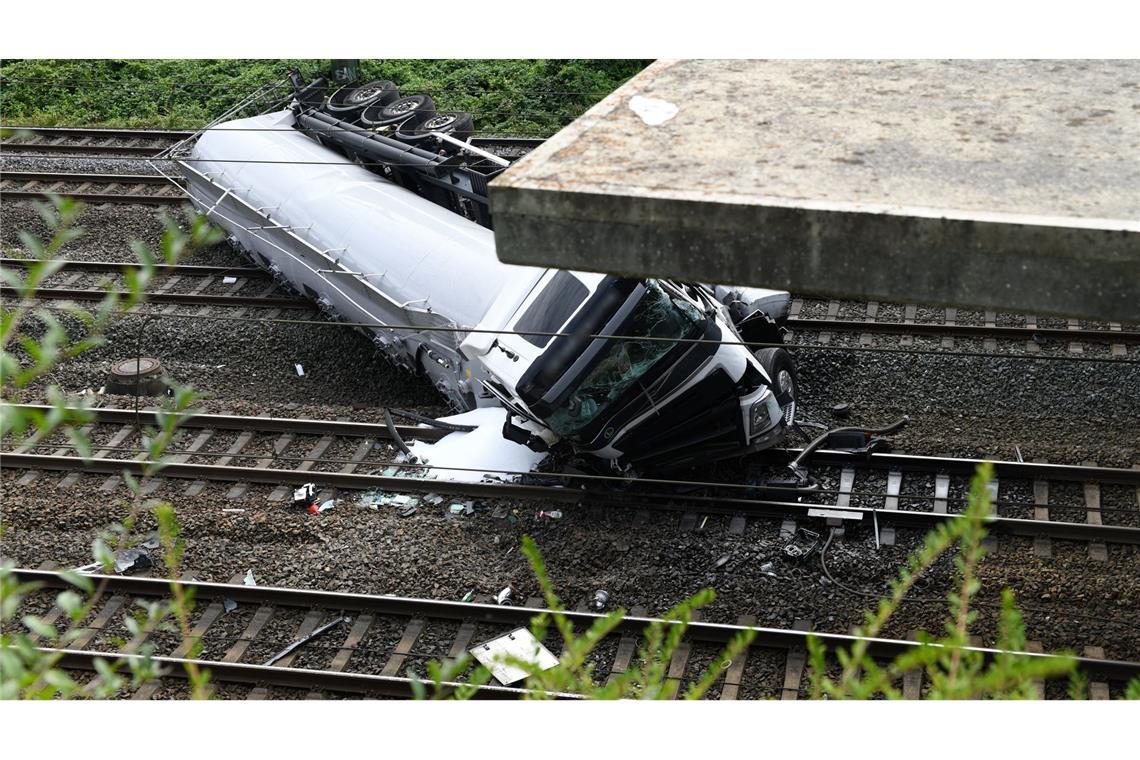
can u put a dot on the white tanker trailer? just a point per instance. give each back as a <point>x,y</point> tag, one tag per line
<point>386,226</point>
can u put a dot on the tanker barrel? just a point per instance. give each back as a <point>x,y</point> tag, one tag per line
<point>373,146</point>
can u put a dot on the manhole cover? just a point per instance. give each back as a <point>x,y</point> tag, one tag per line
<point>141,376</point>
<point>136,367</point>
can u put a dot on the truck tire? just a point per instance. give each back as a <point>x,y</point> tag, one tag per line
<point>778,364</point>
<point>349,101</point>
<point>456,124</point>
<point>398,111</point>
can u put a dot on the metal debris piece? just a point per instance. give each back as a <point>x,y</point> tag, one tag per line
<point>601,597</point>
<point>499,512</point>
<point>498,656</point>
<point>433,499</point>
<point>131,560</point>
<point>503,598</point>
<point>802,543</point>
<point>228,280</point>
<point>457,508</point>
<point>300,370</point>
<point>302,642</point>
<point>842,411</point>
<point>721,562</point>
<point>153,542</point>
<point>229,604</point>
<point>304,495</point>
<point>407,511</point>
<point>248,580</point>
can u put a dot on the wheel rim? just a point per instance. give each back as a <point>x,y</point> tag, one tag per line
<point>362,94</point>
<point>403,106</point>
<point>438,122</point>
<point>787,388</point>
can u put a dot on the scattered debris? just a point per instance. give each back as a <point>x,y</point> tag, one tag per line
<point>305,495</point>
<point>131,560</point>
<point>503,598</point>
<point>371,499</point>
<point>302,642</point>
<point>469,596</point>
<point>842,411</point>
<point>462,508</point>
<point>228,280</point>
<point>767,569</point>
<point>407,511</point>
<point>233,510</point>
<point>329,504</point>
<point>499,655</point>
<point>803,542</point>
<point>601,597</point>
<point>499,512</point>
<point>229,604</point>
<point>248,579</point>
<point>300,370</point>
<point>553,514</point>
<point>721,562</point>
<point>152,542</point>
<point>433,499</point>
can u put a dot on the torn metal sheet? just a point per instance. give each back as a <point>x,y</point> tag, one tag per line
<point>505,656</point>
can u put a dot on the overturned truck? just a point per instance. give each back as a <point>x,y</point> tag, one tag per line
<point>374,205</point>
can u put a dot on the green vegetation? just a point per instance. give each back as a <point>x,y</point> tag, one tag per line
<point>33,341</point>
<point>505,96</point>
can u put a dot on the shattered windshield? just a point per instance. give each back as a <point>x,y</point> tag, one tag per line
<point>657,315</point>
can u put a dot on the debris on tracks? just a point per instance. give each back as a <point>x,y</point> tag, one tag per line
<point>248,579</point>
<point>131,560</point>
<point>503,598</point>
<point>551,514</point>
<point>326,506</point>
<point>300,370</point>
<point>305,496</point>
<point>500,654</point>
<point>601,598</point>
<point>303,641</point>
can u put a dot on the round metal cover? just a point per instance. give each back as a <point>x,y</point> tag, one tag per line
<point>140,367</point>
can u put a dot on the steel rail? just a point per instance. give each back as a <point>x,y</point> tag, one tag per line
<point>697,631</point>
<point>257,424</point>
<point>569,495</point>
<point>965,466</point>
<point>296,678</point>
<point>120,198</point>
<point>196,299</point>
<point>122,179</point>
<point>97,132</point>
<point>147,151</point>
<point>190,270</point>
<point>919,328</point>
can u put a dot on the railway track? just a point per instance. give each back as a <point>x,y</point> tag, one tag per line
<point>144,189</point>
<point>368,643</point>
<point>905,320</point>
<point>882,492</point>
<point>149,143</point>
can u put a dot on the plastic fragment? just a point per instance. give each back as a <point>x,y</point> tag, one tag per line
<point>327,505</point>
<point>553,514</point>
<point>433,499</point>
<point>407,511</point>
<point>229,604</point>
<point>152,543</point>
<point>229,280</point>
<point>503,598</point>
<point>601,597</point>
<point>721,562</point>
<point>131,560</point>
<point>248,579</point>
<point>456,509</point>
<point>300,370</point>
<point>304,495</point>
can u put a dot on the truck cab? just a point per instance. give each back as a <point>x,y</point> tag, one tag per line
<point>633,371</point>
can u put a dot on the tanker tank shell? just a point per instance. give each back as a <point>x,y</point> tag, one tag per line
<point>414,252</point>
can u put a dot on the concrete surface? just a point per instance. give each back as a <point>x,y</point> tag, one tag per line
<point>999,184</point>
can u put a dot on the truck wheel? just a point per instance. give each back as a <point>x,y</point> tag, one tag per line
<point>412,106</point>
<point>778,364</point>
<point>349,101</point>
<point>456,124</point>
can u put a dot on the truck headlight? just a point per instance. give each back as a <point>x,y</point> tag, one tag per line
<point>764,413</point>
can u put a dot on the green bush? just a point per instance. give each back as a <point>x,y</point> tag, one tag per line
<point>506,96</point>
